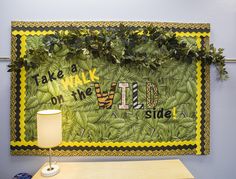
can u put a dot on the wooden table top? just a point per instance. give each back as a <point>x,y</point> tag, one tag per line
<point>161,169</point>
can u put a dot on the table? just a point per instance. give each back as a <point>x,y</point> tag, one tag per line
<point>161,169</point>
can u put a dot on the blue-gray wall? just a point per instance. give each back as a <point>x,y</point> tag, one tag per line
<point>220,13</point>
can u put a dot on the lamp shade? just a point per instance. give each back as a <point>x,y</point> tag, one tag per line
<point>49,128</point>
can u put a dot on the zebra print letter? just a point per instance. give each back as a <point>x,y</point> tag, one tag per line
<point>135,97</point>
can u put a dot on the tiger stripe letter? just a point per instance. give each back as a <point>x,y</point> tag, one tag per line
<point>105,99</point>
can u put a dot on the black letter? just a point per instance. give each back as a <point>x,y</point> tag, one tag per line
<point>160,113</point>
<point>60,74</point>
<point>81,94</point>
<point>148,114</point>
<point>44,79</point>
<point>60,99</point>
<point>51,76</point>
<point>73,68</point>
<point>168,114</point>
<point>74,95</point>
<point>88,91</point>
<point>154,113</point>
<point>36,79</point>
<point>54,100</point>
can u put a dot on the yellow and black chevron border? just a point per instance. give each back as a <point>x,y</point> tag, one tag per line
<point>18,144</point>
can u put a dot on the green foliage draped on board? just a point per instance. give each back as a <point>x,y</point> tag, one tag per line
<point>148,47</point>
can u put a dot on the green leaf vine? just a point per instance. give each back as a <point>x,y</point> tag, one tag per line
<point>149,47</point>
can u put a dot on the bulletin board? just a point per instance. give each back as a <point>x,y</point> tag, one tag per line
<point>110,107</point>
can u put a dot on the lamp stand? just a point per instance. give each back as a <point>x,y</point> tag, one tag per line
<point>51,169</point>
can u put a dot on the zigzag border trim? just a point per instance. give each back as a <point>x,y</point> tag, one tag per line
<point>22,143</point>
<point>66,24</point>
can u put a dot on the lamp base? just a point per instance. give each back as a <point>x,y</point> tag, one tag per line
<point>47,172</point>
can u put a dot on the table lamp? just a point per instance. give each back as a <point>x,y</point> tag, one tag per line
<point>49,132</point>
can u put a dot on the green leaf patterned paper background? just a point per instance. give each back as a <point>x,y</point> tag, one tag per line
<point>84,121</point>
<point>168,106</point>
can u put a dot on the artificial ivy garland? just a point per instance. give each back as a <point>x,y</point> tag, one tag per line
<point>122,45</point>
